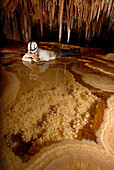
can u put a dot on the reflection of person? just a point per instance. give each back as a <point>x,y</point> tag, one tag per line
<point>35,54</point>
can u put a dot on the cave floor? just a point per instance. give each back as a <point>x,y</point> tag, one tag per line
<point>50,102</point>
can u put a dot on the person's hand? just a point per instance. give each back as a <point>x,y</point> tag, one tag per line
<point>35,59</point>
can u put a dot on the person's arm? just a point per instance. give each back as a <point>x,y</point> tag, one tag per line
<point>27,57</point>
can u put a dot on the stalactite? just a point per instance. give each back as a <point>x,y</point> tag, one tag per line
<point>71,14</point>
<point>77,13</point>
<point>109,7</point>
<point>45,10</point>
<point>68,29</point>
<point>29,20</point>
<point>41,17</point>
<point>53,10</point>
<point>100,24</point>
<point>25,17</point>
<point>102,4</point>
<point>68,22</point>
<point>92,10</point>
<point>95,12</point>
<point>98,13</point>
<point>26,29</point>
<point>93,28</point>
<point>50,19</point>
<point>61,7</point>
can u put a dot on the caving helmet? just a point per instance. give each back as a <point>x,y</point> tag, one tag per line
<point>32,47</point>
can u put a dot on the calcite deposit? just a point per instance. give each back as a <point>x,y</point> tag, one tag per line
<point>61,117</point>
<point>106,132</point>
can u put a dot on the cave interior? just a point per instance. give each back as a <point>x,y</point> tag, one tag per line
<point>87,23</point>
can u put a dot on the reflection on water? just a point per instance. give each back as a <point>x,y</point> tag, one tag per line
<point>53,101</point>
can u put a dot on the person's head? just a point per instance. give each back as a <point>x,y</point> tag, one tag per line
<point>33,48</point>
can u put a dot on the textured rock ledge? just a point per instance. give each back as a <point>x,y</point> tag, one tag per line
<point>9,87</point>
<point>106,132</point>
<point>67,154</point>
<point>97,72</point>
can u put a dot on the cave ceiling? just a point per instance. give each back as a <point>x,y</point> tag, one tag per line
<point>18,17</point>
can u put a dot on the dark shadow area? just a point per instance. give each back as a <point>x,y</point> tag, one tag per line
<point>105,40</point>
<point>3,39</point>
